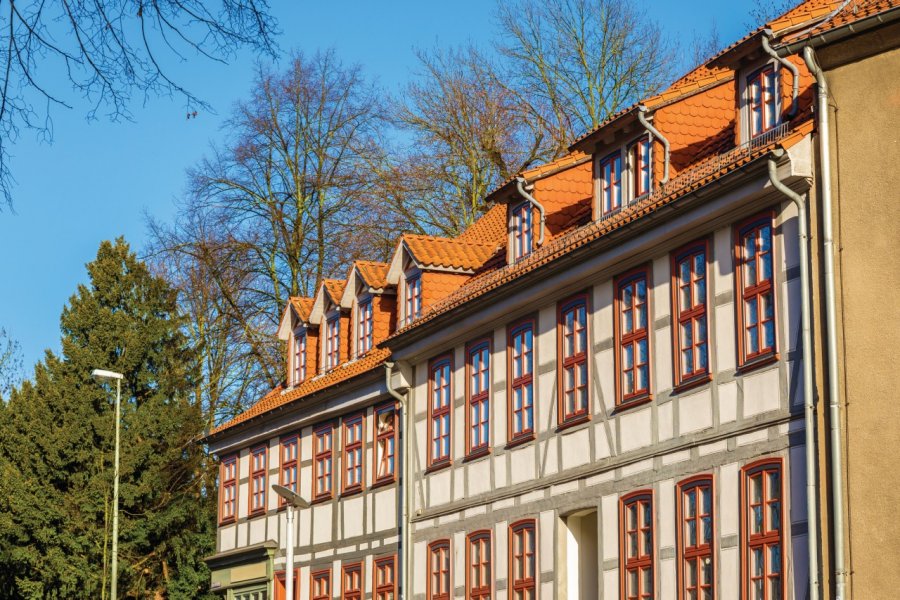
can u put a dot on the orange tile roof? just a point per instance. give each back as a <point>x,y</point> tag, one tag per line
<point>844,14</point>
<point>450,253</point>
<point>373,273</point>
<point>279,396</point>
<point>335,289</point>
<point>489,229</point>
<point>302,306</point>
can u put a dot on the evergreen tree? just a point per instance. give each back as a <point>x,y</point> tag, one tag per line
<point>57,444</point>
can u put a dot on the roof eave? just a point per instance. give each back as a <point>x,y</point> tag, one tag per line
<point>840,33</point>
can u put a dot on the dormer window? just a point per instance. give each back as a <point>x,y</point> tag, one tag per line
<point>762,100</point>
<point>522,232</point>
<point>299,357</point>
<point>640,166</point>
<point>611,183</point>
<point>332,342</point>
<point>364,327</point>
<point>413,298</point>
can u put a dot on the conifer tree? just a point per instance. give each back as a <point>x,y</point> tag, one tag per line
<point>57,442</point>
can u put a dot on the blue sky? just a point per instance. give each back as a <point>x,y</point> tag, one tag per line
<point>98,180</point>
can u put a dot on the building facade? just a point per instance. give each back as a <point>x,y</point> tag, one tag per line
<point>615,384</point>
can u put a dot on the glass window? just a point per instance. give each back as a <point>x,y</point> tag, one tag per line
<point>289,457</point>
<point>573,376</point>
<point>636,527</point>
<point>351,588</point>
<point>521,369</point>
<point>385,443</point>
<point>320,585</point>
<point>228,491</point>
<point>413,298</point>
<point>632,337</point>
<point>479,576</point>
<point>478,391</point>
<point>384,578</point>
<point>764,540</point>
<point>641,166</point>
<point>299,364</point>
<point>611,184</point>
<point>439,410</point>
<point>258,479</point>
<point>364,327</point>
<point>333,342</point>
<point>522,231</point>
<point>696,538</point>
<point>689,306</point>
<point>523,560</point>
<point>756,281</point>
<point>353,453</point>
<point>439,570</point>
<point>762,100</point>
<point>323,459</point>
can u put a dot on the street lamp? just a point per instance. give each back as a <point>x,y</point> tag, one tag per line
<point>294,500</point>
<point>102,374</point>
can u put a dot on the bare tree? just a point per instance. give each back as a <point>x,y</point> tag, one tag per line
<point>108,52</point>
<point>278,207</point>
<point>704,45</point>
<point>764,11</point>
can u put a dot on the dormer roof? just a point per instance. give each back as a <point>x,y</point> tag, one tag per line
<point>298,309</point>
<point>371,274</point>
<point>329,294</point>
<point>507,192</point>
<point>439,254</point>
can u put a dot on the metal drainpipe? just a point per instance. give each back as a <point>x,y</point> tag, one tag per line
<point>834,409</point>
<point>655,133</point>
<point>808,396</point>
<point>520,185</point>
<point>795,72</point>
<point>406,484</point>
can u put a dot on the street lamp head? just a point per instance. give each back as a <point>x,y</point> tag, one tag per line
<point>104,374</point>
<point>292,498</point>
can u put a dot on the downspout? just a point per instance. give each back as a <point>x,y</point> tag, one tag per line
<point>405,483</point>
<point>834,409</point>
<point>520,186</point>
<point>655,133</point>
<point>795,72</point>
<point>809,406</point>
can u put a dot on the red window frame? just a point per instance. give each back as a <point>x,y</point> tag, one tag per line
<point>259,463</point>
<point>323,462</point>
<point>762,100</point>
<point>333,342</point>
<point>384,578</point>
<point>299,366</point>
<point>478,394</point>
<point>611,183</point>
<point>478,565</point>
<point>440,411</point>
<point>413,297</point>
<point>637,561</point>
<point>281,582</point>
<point>523,561</point>
<point>320,584</point>
<point>353,436</point>
<point>364,327</point>
<point>641,166</point>
<point>522,231</point>
<point>352,581</point>
<point>627,305</point>
<point>573,342</point>
<point>384,458</point>
<point>762,529</point>
<point>289,451</point>
<point>439,585</point>
<point>695,515</point>
<point>689,305</point>
<point>758,335</point>
<point>520,375</point>
<point>228,472</point>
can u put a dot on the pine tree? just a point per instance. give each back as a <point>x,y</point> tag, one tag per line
<point>57,442</point>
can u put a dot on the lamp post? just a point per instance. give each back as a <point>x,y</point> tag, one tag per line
<point>102,374</point>
<point>294,500</point>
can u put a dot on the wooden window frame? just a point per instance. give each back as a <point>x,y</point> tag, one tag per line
<point>642,560</point>
<point>378,437</point>
<point>357,421</point>
<point>578,359</point>
<point>298,364</point>
<point>439,546</point>
<point>522,231</point>
<point>760,77</point>
<point>691,315</point>
<point>380,592</point>
<point>230,461</point>
<point>700,550</point>
<point>333,341</point>
<point>255,474</point>
<point>352,594</point>
<point>606,186</point>
<point>484,538</point>
<point>483,398</point>
<point>316,575</point>
<point>286,464</point>
<point>639,396</point>
<point>281,581</point>
<point>640,155</point>
<point>364,326</point>
<point>768,537</point>
<point>744,293</point>
<point>413,299</point>
<point>325,455</point>
<point>443,361</point>
<point>526,584</point>
<point>523,381</point>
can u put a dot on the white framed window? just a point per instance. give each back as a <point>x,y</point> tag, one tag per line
<point>522,231</point>
<point>298,358</point>
<point>413,297</point>
<point>332,341</point>
<point>760,95</point>
<point>364,326</point>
